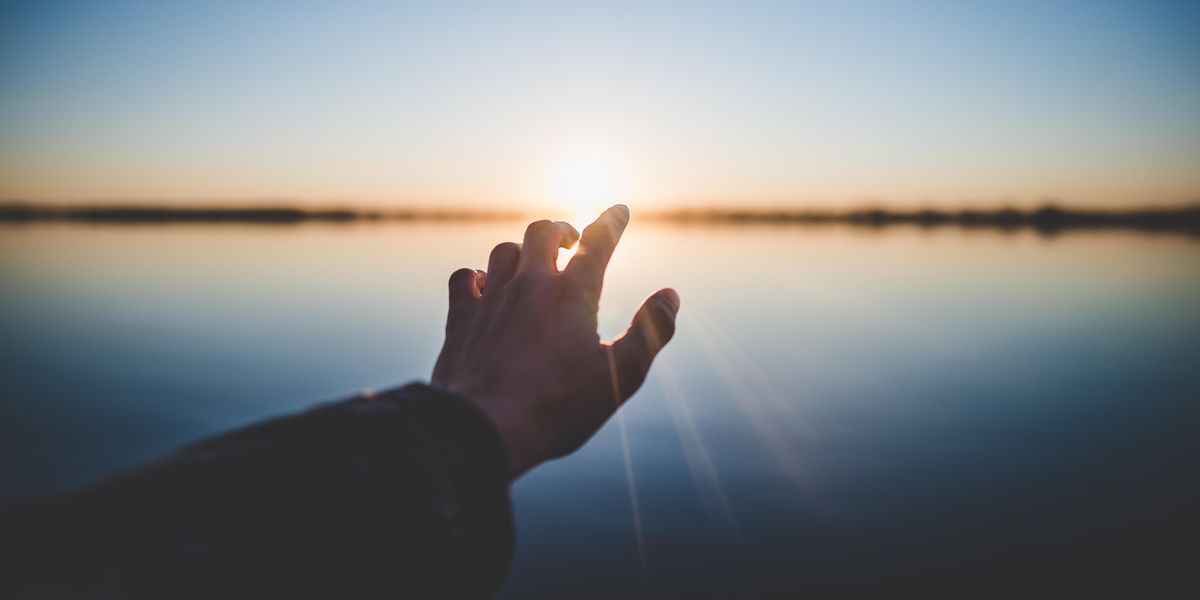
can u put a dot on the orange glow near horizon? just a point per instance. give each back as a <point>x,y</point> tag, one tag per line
<point>737,104</point>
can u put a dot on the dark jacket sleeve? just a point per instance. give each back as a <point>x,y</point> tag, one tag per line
<point>399,495</point>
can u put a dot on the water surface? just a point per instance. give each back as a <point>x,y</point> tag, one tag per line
<point>842,409</point>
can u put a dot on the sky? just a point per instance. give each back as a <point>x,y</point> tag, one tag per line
<point>943,103</point>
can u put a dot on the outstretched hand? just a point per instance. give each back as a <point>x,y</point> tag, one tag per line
<point>521,339</point>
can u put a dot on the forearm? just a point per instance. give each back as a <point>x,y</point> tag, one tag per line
<point>402,494</point>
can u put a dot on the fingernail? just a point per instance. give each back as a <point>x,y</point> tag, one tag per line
<point>624,210</point>
<point>671,298</point>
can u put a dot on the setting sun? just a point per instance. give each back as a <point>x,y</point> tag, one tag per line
<point>584,184</point>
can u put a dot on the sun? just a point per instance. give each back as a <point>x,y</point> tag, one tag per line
<point>584,184</point>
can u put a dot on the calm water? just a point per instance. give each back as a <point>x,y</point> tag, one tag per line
<point>841,409</point>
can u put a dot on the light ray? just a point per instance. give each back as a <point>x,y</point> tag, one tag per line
<point>779,439</point>
<point>748,371</point>
<point>700,463</point>
<point>629,477</point>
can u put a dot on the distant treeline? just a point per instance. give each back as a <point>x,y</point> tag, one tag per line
<point>15,212</point>
<point>1047,219</point>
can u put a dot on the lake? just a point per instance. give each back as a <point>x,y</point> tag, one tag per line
<point>842,410</point>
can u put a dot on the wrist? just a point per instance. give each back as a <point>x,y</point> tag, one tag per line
<point>518,443</point>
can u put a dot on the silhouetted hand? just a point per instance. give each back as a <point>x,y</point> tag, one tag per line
<point>521,340</point>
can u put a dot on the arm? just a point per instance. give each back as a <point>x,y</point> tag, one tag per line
<point>404,492</point>
<point>400,494</point>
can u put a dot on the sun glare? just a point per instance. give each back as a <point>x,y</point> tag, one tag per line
<point>582,185</point>
<point>585,184</point>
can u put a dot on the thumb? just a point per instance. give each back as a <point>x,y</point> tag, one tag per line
<point>652,328</point>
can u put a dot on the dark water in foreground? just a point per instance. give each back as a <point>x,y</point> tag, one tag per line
<point>842,410</point>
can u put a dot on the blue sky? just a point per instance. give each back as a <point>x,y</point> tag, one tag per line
<point>683,102</point>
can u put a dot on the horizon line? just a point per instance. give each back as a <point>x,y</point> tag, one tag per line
<point>1047,218</point>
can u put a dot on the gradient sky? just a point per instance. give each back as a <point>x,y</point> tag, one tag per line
<point>1095,103</point>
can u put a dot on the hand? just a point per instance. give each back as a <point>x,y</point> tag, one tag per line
<point>521,340</point>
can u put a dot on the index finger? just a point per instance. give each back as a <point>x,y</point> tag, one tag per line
<point>596,246</point>
<point>542,241</point>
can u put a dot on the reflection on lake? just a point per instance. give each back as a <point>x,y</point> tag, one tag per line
<point>841,409</point>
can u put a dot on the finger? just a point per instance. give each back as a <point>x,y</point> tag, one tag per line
<point>596,247</point>
<point>652,328</point>
<point>542,241</point>
<point>502,264</point>
<point>464,286</point>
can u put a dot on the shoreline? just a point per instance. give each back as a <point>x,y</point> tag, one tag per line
<point>1047,218</point>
